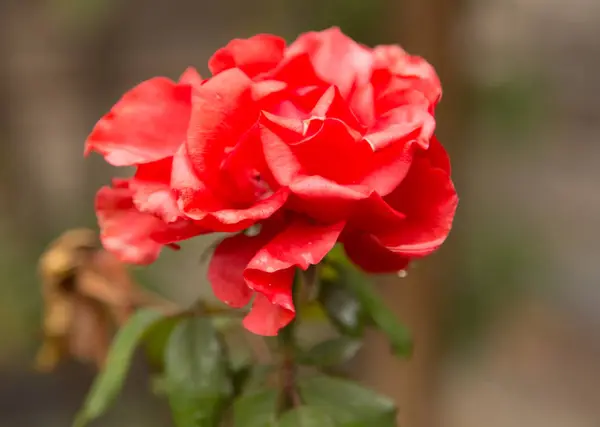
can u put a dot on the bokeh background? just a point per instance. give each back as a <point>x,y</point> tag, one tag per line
<point>505,315</point>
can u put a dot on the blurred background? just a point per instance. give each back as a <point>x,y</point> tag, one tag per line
<point>505,315</point>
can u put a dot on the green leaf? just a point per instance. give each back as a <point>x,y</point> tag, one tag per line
<point>251,378</point>
<point>158,385</point>
<point>109,382</point>
<point>312,311</point>
<point>383,318</point>
<point>156,339</point>
<point>332,352</point>
<point>337,255</point>
<point>224,324</point>
<point>257,409</point>
<point>347,403</point>
<point>306,416</point>
<point>343,309</point>
<point>239,378</point>
<point>197,376</point>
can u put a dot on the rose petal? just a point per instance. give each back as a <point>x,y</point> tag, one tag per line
<point>222,111</point>
<point>300,244</point>
<point>398,93</point>
<point>136,237</point>
<point>375,215</point>
<point>198,202</point>
<point>123,230</point>
<point>191,77</point>
<point>333,151</point>
<point>404,123</point>
<point>271,270</point>
<point>296,70</point>
<point>365,251</point>
<point>330,147</point>
<point>226,269</point>
<point>331,104</point>
<point>244,171</point>
<point>438,156</point>
<point>193,196</point>
<point>152,192</point>
<point>362,103</point>
<point>263,90</point>
<point>274,131</point>
<point>428,199</point>
<point>289,129</point>
<point>325,200</point>
<point>178,231</point>
<point>391,62</point>
<point>127,235</point>
<point>388,167</point>
<point>158,200</point>
<point>305,98</point>
<point>231,220</point>
<point>158,172</point>
<point>336,58</point>
<point>265,318</point>
<point>148,123</point>
<point>255,55</point>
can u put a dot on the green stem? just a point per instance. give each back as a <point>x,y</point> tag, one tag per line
<point>287,373</point>
<point>288,397</point>
<point>287,335</point>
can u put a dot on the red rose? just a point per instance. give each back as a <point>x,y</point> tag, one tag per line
<point>320,142</point>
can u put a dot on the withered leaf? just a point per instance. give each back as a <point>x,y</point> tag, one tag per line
<point>87,294</point>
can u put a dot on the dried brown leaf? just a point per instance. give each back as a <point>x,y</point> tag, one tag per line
<point>87,293</point>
